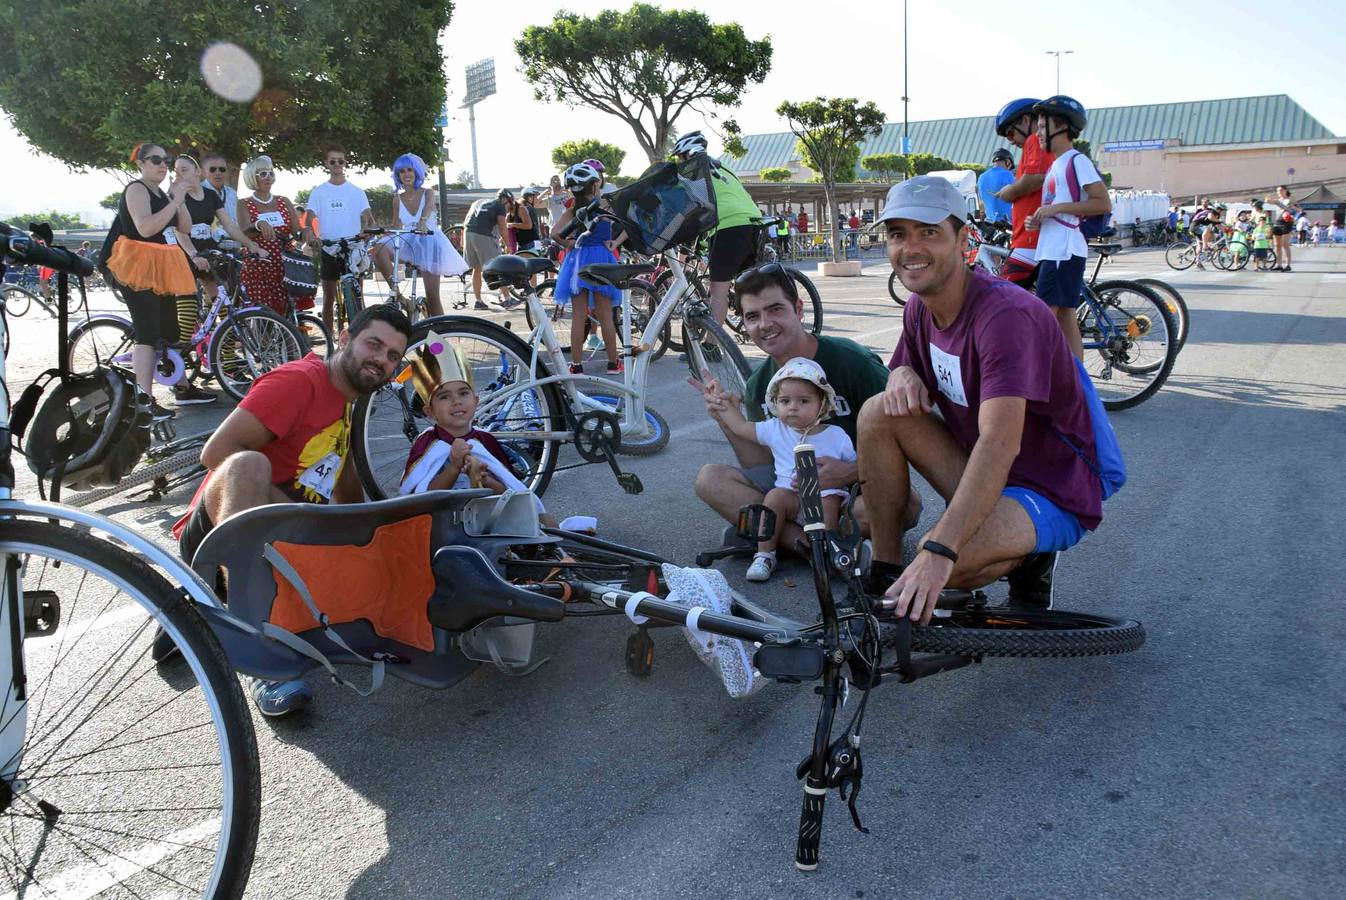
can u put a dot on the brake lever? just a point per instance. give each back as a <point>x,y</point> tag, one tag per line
<point>844,769</point>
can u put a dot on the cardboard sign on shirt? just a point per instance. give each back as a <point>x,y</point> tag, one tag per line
<point>338,208</point>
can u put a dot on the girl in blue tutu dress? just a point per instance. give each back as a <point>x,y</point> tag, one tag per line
<point>594,246</point>
<point>415,206</point>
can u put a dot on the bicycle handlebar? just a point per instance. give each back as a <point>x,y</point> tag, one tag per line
<point>23,247</point>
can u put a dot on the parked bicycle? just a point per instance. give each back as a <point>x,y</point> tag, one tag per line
<point>116,778</point>
<point>528,401</point>
<point>234,343</point>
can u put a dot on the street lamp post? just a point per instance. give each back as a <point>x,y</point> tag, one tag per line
<point>906,138</point>
<point>1057,54</point>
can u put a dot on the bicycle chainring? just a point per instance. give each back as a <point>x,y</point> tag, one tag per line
<point>598,436</point>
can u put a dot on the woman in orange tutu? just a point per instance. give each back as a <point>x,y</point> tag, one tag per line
<point>151,271</point>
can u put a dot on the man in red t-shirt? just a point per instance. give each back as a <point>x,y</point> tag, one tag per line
<point>288,441</point>
<point>1015,123</point>
<point>803,221</point>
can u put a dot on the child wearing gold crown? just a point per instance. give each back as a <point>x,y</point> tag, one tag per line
<point>452,454</point>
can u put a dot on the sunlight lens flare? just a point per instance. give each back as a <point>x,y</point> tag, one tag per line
<point>230,72</point>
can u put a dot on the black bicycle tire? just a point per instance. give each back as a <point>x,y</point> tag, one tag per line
<point>447,327</point>
<point>1183,314</point>
<point>86,327</point>
<point>893,283</point>
<point>144,474</point>
<point>232,323</point>
<point>812,299</point>
<point>1165,367</point>
<point>727,345</point>
<point>23,292</point>
<point>352,299</point>
<point>245,816</point>
<point>1044,633</point>
<point>1185,245</point>
<point>317,322</point>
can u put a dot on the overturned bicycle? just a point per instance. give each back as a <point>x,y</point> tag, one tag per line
<point>429,587</point>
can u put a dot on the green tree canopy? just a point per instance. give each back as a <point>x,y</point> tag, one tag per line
<point>774,174</point>
<point>57,220</point>
<point>331,72</point>
<point>829,133</point>
<point>888,166</point>
<point>610,155</point>
<point>925,163</point>
<point>644,65</point>
<point>111,201</point>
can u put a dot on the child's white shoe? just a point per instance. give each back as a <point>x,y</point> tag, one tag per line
<point>763,564</point>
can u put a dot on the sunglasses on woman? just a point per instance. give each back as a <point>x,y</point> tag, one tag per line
<point>266,173</point>
<point>155,159</point>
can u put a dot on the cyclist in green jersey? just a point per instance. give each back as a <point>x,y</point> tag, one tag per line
<point>733,241</point>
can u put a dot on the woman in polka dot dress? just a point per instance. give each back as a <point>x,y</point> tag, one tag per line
<point>264,279</point>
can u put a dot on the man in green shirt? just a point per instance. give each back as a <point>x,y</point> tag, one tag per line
<point>733,241</point>
<point>773,317</point>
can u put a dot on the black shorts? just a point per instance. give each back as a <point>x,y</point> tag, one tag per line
<point>198,526</point>
<point>1282,228</point>
<point>333,267</point>
<point>154,318</point>
<point>731,251</point>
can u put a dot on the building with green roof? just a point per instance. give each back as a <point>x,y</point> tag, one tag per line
<point>1222,147</point>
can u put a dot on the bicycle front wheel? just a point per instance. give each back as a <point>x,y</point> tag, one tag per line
<point>385,423</point>
<point>1004,632</point>
<point>1130,343</point>
<point>1181,255</point>
<point>897,290</point>
<point>18,300</point>
<point>813,301</point>
<point>135,778</point>
<point>315,333</point>
<point>97,342</point>
<point>1172,299</point>
<point>711,351</point>
<point>249,344</point>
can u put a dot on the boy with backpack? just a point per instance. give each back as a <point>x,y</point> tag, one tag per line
<point>1075,207</point>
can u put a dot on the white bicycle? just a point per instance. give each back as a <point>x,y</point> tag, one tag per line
<point>529,402</point>
<point>119,775</point>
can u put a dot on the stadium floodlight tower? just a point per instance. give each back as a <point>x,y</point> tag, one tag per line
<point>480,85</point>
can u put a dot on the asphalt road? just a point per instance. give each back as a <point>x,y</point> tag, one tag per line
<point>1210,763</point>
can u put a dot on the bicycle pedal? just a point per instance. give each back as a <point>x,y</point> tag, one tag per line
<point>164,431</point>
<point>630,482</point>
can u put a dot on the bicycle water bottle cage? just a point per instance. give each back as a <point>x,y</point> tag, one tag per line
<point>756,523</point>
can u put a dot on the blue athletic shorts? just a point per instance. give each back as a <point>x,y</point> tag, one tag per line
<point>1056,529</point>
<point>1061,281</point>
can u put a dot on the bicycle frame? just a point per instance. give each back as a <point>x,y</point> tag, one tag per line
<point>396,278</point>
<point>546,348</point>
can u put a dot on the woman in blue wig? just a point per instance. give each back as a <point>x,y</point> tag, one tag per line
<point>427,248</point>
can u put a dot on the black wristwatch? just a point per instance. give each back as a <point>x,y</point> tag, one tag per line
<point>940,550</point>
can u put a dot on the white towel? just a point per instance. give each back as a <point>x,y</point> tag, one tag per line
<point>434,459</point>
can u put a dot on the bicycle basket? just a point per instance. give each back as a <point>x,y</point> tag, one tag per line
<point>92,428</point>
<point>301,276</point>
<point>662,209</point>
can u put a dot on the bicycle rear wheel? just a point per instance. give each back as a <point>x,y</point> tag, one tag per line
<point>385,423</point>
<point>136,779</point>
<point>1181,255</point>
<point>249,344</point>
<point>711,350</point>
<point>315,333</point>
<point>1134,343</point>
<point>1177,306</point>
<point>97,342</point>
<point>1004,632</point>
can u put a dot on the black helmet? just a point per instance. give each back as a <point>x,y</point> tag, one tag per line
<point>94,428</point>
<point>1011,112</point>
<point>1003,155</point>
<point>506,270</point>
<point>1063,107</point>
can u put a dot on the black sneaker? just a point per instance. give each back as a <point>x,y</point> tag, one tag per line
<point>158,413</point>
<point>1030,585</point>
<point>188,394</point>
<point>480,305</point>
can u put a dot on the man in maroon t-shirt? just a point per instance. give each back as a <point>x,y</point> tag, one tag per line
<point>991,357</point>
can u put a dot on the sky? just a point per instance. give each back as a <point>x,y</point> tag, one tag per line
<point>965,59</point>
